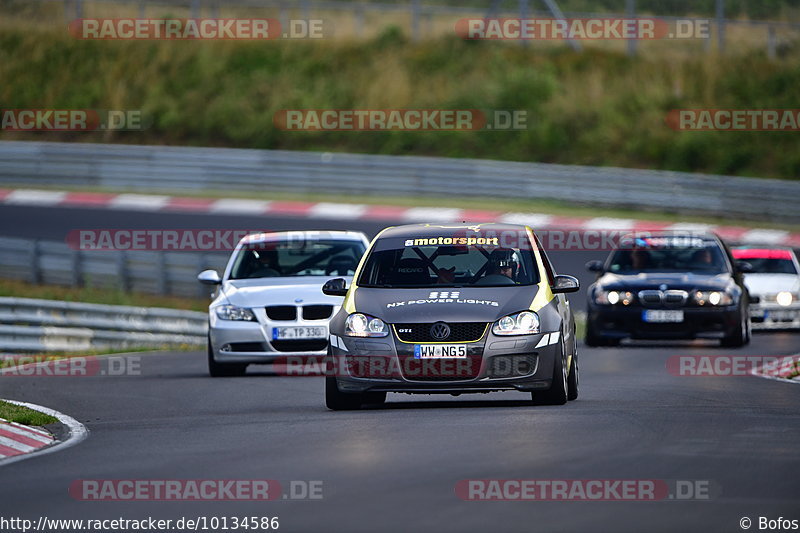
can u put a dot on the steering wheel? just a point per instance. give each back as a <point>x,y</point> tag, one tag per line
<point>495,279</point>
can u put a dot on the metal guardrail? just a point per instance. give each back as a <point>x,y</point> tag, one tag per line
<point>32,325</point>
<point>420,15</point>
<point>154,272</point>
<point>172,169</point>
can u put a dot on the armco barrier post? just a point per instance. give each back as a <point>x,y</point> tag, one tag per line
<point>77,268</point>
<point>630,8</point>
<point>123,275</point>
<point>36,267</point>
<point>161,273</point>
<point>720,26</point>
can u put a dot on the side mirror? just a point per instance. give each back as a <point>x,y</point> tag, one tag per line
<point>565,284</point>
<point>209,277</point>
<point>744,267</point>
<point>595,266</point>
<point>335,287</point>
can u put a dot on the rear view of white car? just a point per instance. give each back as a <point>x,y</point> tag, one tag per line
<point>270,301</point>
<point>774,286</point>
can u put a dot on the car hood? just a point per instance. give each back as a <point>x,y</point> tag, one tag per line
<point>771,283</point>
<point>473,304</point>
<point>278,291</point>
<point>673,280</point>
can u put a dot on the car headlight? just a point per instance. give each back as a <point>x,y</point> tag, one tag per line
<point>524,323</point>
<point>712,298</point>
<point>361,325</point>
<point>613,297</point>
<point>231,312</point>
<point>784,298</point>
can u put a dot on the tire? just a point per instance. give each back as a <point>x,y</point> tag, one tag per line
<point>740,335</point>
<point>593,340</point>
<point>748,329</point>
<point>572,377</point>
<point>222,370</point>
<point>337,400</point>
<point>558,391</point>
<point>376,398</point>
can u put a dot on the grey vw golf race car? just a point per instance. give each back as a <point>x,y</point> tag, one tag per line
<point>452,309</point>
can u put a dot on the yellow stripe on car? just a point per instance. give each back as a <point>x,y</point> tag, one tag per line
<point>349,300</point>
<point>544,295</point>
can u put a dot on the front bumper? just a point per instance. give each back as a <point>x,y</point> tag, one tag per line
<point>234,341</point>
<point>774,316</point>
<point>522,363</point>
<point>615,322</point>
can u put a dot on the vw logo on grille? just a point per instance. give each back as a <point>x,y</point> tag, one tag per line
<point>440,331</point>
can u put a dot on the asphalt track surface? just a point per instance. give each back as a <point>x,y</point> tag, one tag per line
<point>395,468</point>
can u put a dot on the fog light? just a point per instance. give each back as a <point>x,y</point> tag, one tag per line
<point>225,348</point>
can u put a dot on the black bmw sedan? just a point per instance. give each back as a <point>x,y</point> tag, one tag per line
<point>668,286</point>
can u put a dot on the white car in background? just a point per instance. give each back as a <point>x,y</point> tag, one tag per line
<point>270,301</point>
<point>774,286</point>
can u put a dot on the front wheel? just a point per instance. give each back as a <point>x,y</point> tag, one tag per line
<point>219,370</point>
<point>592,339</point>
<point>337,400</point>
<point>740,335</point>
<point>572,377</point>
<point>557,393</point>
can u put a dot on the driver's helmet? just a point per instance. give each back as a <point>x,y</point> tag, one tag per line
<point>266,257</point>
<point>503,258</point>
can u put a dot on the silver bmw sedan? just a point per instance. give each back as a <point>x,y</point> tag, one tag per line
<point>269,303</point>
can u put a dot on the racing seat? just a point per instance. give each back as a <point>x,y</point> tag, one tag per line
<point>341,265</point>
<point>411,271</point>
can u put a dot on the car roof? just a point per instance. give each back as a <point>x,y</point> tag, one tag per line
<point>674,233</point>
<point>762,247</point>
<point>435,229</point>
<point>304,234</point>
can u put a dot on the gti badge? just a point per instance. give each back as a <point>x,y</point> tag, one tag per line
<point>440,331</point>
<point>298,300</point>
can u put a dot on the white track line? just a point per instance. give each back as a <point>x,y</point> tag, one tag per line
<point>29,433</point>
<point>606,223</point>
<point>691,226</point>
<point>239,206</point>
<point>337,211</point>
<point>16,445</point>
<point>768,236</point>
<point>432,214</point>
<point>35,197</point>
<point>535,220</point>
<point>143,202</point>
<point>77,432</point>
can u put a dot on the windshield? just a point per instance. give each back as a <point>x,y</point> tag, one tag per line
<point>767,261</point>
<point>408,266</point>
<point>670,255</point>
<point>291,259</point>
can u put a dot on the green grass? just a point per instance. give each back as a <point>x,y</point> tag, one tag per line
<point>24,415</point>
<point>599,107</point>
<point>21,289</point>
